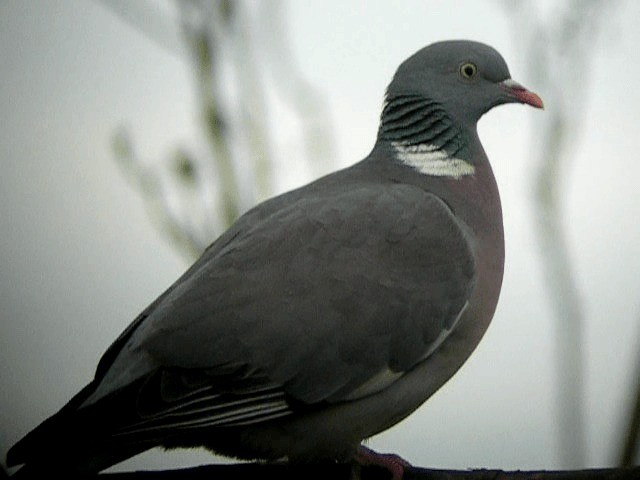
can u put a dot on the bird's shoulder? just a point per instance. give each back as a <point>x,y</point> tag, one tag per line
<point>346,209</point>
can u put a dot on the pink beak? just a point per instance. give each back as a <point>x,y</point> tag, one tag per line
<point>521,94</point>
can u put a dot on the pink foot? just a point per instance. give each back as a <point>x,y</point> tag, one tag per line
<point>393,463</point>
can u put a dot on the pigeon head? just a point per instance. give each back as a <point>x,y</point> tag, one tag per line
<point>435,100</point>
<point>466,78</point>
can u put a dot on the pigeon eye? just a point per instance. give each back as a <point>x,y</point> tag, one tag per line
<point>468,70</point>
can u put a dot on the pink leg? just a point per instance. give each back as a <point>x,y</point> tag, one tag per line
<point>393,463</point>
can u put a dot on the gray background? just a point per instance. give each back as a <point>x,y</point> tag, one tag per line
<point>79,257</point>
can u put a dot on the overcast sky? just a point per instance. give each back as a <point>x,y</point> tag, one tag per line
<point>79,257</point>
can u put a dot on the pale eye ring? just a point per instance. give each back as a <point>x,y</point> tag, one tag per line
<point>468,70</point>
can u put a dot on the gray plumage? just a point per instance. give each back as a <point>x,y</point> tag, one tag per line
<point>322,316</point>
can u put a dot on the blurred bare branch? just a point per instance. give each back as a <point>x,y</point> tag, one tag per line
<point>630,447</point>
<point>244,71</point>
<point>147,180</point>
<point>204,25</point>
<point>560,51</point>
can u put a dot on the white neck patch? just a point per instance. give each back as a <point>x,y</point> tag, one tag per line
<point>429,160</point>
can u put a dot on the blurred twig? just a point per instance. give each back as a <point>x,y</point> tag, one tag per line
<point>240,53</point>
<point>148,182</point>
<point>631,442</point>
<point>205,25</point>
<point>560,53</point>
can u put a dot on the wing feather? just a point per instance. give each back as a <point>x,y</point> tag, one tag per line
<point>328,298</point>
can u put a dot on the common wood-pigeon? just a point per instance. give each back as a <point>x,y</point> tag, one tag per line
<point>324,315</point>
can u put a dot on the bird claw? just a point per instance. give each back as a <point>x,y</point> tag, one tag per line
<point>389,461</point>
